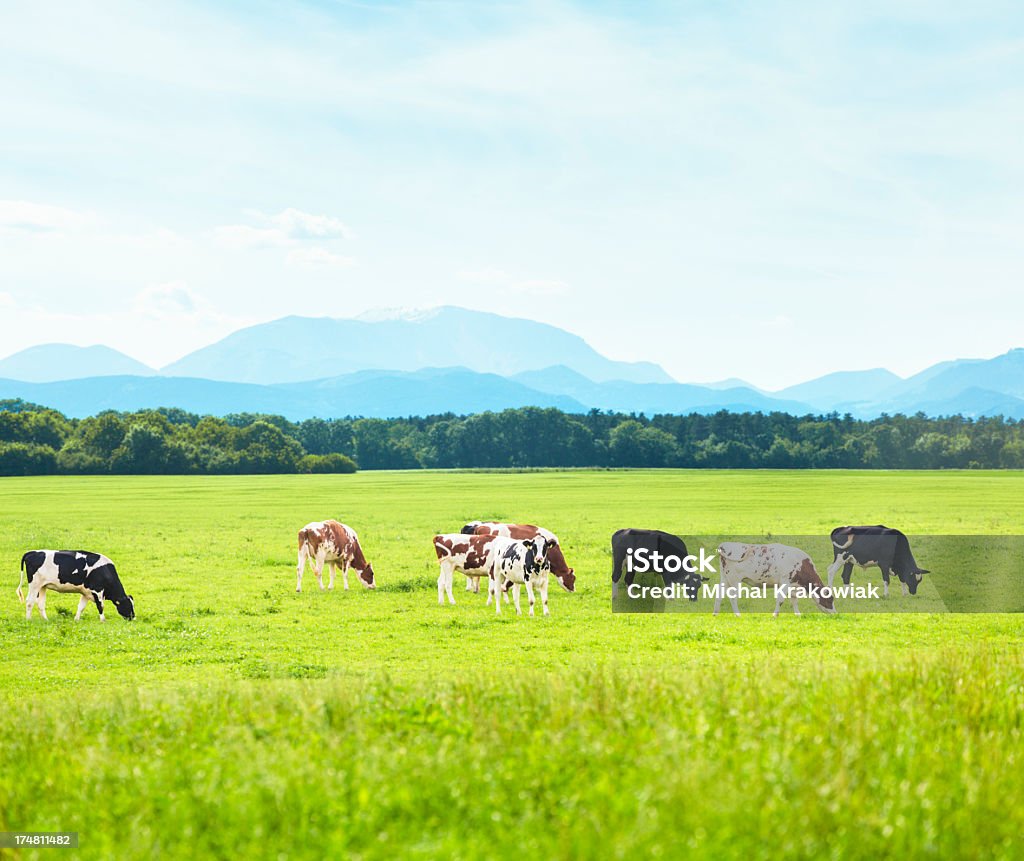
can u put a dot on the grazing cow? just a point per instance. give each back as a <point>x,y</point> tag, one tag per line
<point>91,575</point>
<point>788,569</point>
<point>336,544</point>
<point>672,552</point>
<point>465,553</point>
<point>516,563</point>
<point>524,531</point>
<point>878,547</point>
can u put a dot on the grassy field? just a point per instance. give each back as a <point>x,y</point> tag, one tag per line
<point>235,717</point>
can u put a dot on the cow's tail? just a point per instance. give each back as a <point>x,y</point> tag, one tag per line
<point>21,578</point>
<point>845,546</point>
<point>618,560</point>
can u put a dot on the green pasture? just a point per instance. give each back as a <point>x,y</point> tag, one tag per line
<point>235,717</point>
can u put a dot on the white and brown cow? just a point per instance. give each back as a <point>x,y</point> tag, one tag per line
<point>524,531</point>
<point>90,575</point>
<point>461,552</point>
<point>335,544</point>
<point>788,569</point>
<point>514,563</point>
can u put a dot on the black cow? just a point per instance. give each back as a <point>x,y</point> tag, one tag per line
<point>875,547</point>
<point>91,575</point>
<point>654,541</point>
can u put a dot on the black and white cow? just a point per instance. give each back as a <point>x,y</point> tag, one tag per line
<point>514,563</point>
<point>875,547</point>
<point>666,546</point>
<point>91,575</point>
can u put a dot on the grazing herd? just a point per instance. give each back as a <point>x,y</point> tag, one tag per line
<point>514,555</point>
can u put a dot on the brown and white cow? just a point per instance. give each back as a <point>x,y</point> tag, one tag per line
<point>788,569</point>
<point>524,532</point>
<point>336,544</point>
<point>461,552</point>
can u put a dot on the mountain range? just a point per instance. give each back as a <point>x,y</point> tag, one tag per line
<point>456,360</point>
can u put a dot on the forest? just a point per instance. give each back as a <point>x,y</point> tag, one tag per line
<point>35,440</point>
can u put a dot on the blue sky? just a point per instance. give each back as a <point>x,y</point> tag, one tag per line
<point>768,190</point>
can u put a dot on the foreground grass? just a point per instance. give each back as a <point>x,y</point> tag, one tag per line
<point>234,716</point>
<point>745,758</point>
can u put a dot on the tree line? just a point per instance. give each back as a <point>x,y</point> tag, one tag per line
<point>35,440</point>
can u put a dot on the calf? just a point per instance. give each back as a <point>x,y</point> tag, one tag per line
<point>336,544</point>
<point>524,531</point>
<point>465,553</point>
<point>786,568</point>
<point>668,547</point>
<point>91,575</point>
<point>875,547</point>
<point>516,563</point>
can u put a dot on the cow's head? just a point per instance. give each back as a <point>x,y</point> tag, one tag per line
<point>691,582</point>
<point>912,579</point>
<point>366,575</point>
<point>537,553</point>
<point>125,606</point>
<point>470,528</point>
<point>567,579</point>
<point>823,598</point>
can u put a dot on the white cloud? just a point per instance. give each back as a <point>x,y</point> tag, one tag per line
<point>240,236</point>
<point>317,257</point>
<point>506,281</point>
<point>41,218</point>
<point>296,224</point>
<point>288,229</point>
<point>173,299</point>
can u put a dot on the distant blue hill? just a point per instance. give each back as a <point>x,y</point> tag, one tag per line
<point>293,349</point>
<point>49,362</point>
<point>824,393</point>
<point>651,398</point>
<point>371,394</point>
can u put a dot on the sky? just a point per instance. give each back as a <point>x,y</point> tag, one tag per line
<point>763,190</point>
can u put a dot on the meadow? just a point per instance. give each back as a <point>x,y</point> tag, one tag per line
<point>234,716</point>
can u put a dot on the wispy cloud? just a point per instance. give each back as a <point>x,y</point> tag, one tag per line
<point>41,218</point>
<point>296,224</point>
<point>310,238</point>
<point>317,257</point>
<point>503,280</point>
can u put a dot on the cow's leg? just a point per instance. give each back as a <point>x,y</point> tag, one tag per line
<point>333,566</point>
<point>718,597</point>
<point>449,580</point>
<point>781,594</point>
<point>490,592</point>
<point>444,583</point>
<point>833,569</point>
<point>99,605</point>
<point>83,602</point>
<point>515,598</point>
<point>529,594</point>
<point>794,598</point>
<point>544,596</point>
<point>41,602</point>
<point>885,582</point>
<point>492,585</point>
<point>344,573</point>
<point>847,572</point>
<point>470,583</point>
<point>30,599</point>
<point>303,553</point>
<point>735,603</point>
<point>318,570</point>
